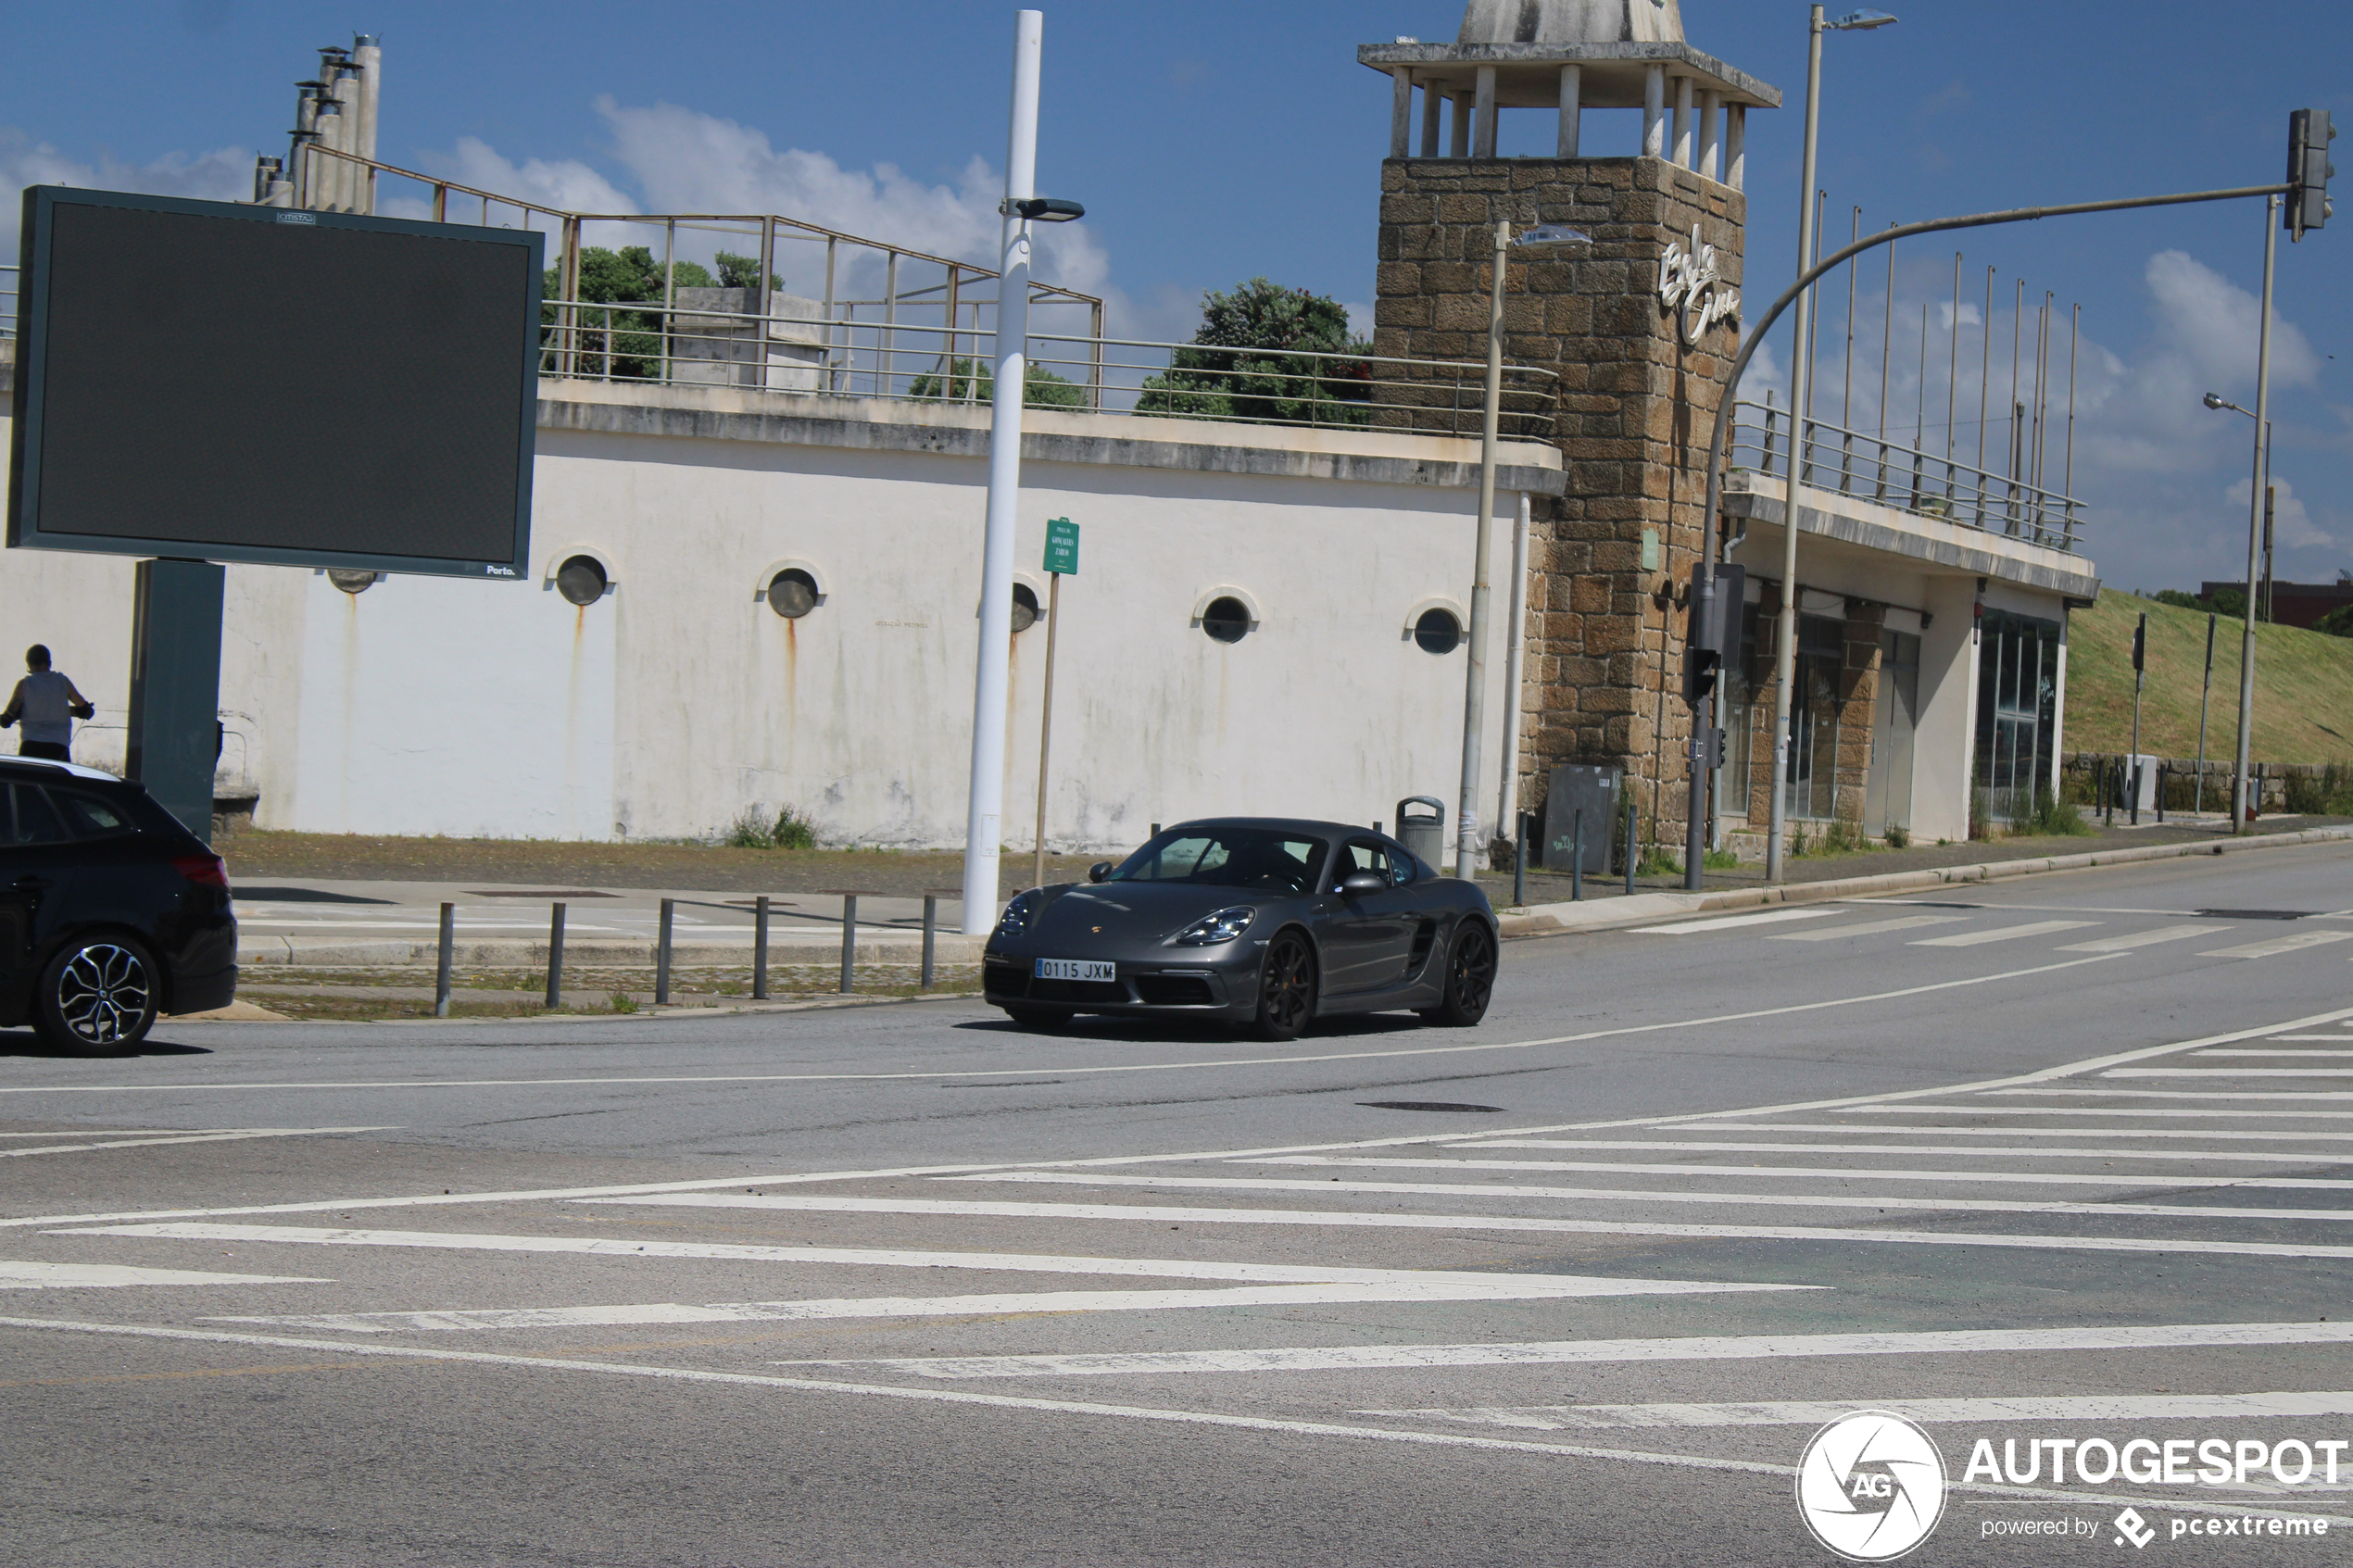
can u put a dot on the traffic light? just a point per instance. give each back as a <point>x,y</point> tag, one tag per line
<point>1706,647</point>
<point>2140,646</point>
<point>2308,135</point>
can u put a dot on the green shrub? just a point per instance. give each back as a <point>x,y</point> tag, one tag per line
<point>2330,794</point>
<point>1719,860</point>
<point>624,1003</point>
<point>793,830</point>
<point>2054,817</point>
<point>1980,815</point>
<point>1898,836</point>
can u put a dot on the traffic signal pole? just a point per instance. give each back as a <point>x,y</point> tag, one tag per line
<point>2244,800</point>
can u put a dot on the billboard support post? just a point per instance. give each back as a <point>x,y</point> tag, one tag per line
<point>176,687</point>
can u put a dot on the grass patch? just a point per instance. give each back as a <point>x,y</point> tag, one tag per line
<point>2303,686</point>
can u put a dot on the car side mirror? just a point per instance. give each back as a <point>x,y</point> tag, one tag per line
<point>1100,871</point>
<point>1355,885</point>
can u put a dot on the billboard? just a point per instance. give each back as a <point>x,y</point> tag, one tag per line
<point>224,382</point>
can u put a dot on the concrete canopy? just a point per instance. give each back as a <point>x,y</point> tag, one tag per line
<point>1571,21</point>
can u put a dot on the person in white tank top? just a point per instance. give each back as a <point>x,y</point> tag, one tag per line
<point>48,704</point>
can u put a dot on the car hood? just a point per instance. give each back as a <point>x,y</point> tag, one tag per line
<point>1135,910</point>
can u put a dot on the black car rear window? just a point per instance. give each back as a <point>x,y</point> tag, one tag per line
<point>33,819</point>
<point>1267,858</point>
<point>89,817</point>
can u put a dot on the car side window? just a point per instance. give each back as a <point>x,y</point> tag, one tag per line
<point>1401,869</point>
<point>36,820</point>
<point>89,817</point>
<point>1361,855</point>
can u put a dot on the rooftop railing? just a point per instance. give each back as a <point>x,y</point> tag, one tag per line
<point>1871,468</point>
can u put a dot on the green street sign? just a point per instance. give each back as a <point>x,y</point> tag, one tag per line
<point>1061,546</point>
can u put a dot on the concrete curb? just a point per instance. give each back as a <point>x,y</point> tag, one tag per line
<point>1558,920</point>
<point>264,952</point>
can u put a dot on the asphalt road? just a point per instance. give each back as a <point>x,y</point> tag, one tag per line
<point>2060,1164</point>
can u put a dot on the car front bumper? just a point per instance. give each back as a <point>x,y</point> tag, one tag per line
<point>1220,982</point>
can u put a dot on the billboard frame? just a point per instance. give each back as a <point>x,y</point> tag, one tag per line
<point>41,202</point>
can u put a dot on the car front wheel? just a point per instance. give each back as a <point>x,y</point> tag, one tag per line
<point>98,996</point>
<point>1470,978</point>
<point>1286,988</point>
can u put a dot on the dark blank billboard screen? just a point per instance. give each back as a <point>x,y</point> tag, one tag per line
<point>250,384</point>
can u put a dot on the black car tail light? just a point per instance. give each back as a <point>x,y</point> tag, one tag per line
<point>205,871</point>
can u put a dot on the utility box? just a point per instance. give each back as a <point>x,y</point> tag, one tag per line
<point>1594,790</point>
<point>1425,836</point>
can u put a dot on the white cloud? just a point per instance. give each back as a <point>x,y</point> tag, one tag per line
<point>568,185</point>
<point>2292,526</point>
<point>2213,325</point>
<point>1970,315</point>
<point>224,174</point>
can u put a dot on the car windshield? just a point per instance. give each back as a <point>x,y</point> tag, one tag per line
<point>1260,858</point>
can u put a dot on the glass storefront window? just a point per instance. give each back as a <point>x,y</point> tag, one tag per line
<point>1811,779</point>
<point>2016,710</point>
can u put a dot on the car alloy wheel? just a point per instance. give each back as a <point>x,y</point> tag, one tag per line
<point>1286,988</point>
<point>100,997</point>
<point>1470,978</point>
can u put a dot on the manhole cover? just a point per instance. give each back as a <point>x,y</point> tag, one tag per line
<point>2252,914</point>
<point>1422,1105</point>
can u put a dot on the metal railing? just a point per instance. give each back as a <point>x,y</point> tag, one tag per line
<point>876,355</point>
<point>9,291</point>
<point>1868,466</point>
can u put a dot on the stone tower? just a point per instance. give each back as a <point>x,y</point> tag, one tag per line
<point>1642,367</point>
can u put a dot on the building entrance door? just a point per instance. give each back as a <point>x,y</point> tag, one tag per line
<point>1887,800</point>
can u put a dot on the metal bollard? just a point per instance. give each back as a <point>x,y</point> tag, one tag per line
<point>1519,863</point>
<point>1576,856</point>
<point>760,949</point>
<point>849,938</point>
<point>931,925</point>
<point>1633,820</point>
<point>556,958</point>
<point>441,979</point>
<point>2160,795</point>
<point>661,954</point>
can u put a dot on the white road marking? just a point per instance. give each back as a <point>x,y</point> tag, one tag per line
<point>1815,1412</point>
<point>105,1132</point>
<point>1737,1233</point>
<point>85,1277</point>
<point>1158,1213</point>
<point>161,1140</point>
<point>2010,1132</point>
<point>2003,933</point>
<point>2306,1052</point>
<point>1410,1281</point>
<point>2150,938</point>
<point>2228,1072</point>
<point>2271,1157</point>
<point>2293,942</point>
<point>1867,928</point>
<point>1078,1408</point>
<point>2335,1039</point>
<point>2202,1094</point>
<point>2091,1110</point>
<point>1730,922</point>
<point>1571,1352</point>
<point>1775,1173</point>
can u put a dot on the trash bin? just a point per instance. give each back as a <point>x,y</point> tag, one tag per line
<point>1426,836</point>
<point>1595,790</point>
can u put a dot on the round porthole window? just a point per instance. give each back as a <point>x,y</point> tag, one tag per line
<point>1024,607</point>
<point>792,593</point>
<point>1226,619</point>
<point>352,582</point>
<point>581,580</point>
<point>1438,632</point>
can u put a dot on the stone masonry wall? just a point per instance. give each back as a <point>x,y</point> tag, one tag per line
<point>1603,658</point>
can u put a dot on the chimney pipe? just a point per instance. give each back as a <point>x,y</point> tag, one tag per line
<point>367,57</point>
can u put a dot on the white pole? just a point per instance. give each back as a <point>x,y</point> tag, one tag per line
<point>2242,793</point>
<point>368,57</point>
<point>1508,804</point>
<point>985,818</point>
<point>1801,372</point>
<point>1467,846</point>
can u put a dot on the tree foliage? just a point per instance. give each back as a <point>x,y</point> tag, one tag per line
<point>970,382</point>
<point>627,343</point>
<point>1254,359</point>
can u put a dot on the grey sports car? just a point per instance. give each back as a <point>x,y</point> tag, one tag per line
<point>1260,921</point>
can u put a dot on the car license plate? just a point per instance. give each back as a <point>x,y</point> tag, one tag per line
<point>1075,969</point>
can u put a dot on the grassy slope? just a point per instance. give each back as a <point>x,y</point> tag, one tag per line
<point>2303,686</point>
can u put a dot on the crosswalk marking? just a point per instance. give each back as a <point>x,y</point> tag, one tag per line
<point>1730,923</point>
<point>1158,1213</point>
<point>1891,1127</point>
<point>1867,928</point>
<point>1571,1352</point>
<point>2293,942</point>
<point>1814,1412</point>
<point>2003,933</point>
<point>1739,1232</point>
<point>83,1276</point>
<point>2131,939</point>
<point>2142,1111</point>
<point>2303,1051</point>
<point>2267,1156</point>
<point>1841,1172</point>
<point>2228,1072</point>
<point>2332,1039</point>
<point>2309,1096</point>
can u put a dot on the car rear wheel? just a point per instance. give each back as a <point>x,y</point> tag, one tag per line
<point>1286,988</point>
<point>97,997</point>
<point>1470,978</point>
<point>1037,1017</point>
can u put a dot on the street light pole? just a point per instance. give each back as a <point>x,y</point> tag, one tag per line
<point>2243,796</point>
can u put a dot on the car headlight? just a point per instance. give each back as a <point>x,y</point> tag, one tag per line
<point>1223,926</point>
<point>1015,920</point>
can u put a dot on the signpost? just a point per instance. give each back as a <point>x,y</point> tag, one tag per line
<point>1061,561</point>
<point>2203,692</point>
<point>2139,675</point>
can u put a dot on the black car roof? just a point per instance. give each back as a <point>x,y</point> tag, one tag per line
<point>1281,824</point>
<point>43,767</point>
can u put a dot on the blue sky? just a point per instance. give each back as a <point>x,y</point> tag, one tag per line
<point>1214,141</point>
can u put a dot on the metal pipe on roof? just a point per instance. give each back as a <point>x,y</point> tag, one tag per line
<point>367,57</point>
<point>326,185</point>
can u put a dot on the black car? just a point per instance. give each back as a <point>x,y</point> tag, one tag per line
<point>111,912</point>
<point>1262,921</point>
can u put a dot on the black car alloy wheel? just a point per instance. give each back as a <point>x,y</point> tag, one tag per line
<point>1470,977</point>
<point>1286,988</point>
<point>98,996</point>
